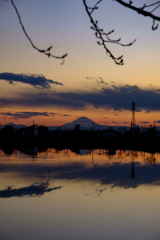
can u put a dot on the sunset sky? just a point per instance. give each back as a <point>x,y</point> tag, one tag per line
<point>36,88</point>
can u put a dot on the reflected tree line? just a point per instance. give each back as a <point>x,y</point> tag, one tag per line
<point>110,153</point>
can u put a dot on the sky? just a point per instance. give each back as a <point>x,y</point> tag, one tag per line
<point>36,88</point>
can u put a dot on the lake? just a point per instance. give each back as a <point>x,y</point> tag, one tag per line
<point>95,194</point>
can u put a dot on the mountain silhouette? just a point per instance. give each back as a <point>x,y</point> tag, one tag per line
<point>83,121</point>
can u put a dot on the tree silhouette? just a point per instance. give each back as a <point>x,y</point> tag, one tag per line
<point>146,10</point>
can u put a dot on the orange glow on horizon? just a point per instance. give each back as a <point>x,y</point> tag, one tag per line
<point>109,118</point>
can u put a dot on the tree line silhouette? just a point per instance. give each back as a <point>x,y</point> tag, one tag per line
<point>137,138</point>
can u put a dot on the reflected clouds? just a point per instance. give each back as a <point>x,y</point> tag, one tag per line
<point>36,189</point>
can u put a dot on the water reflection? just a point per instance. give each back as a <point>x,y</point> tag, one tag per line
<point>127,169</point>
<point>80,194</point>
<point>34,190</point>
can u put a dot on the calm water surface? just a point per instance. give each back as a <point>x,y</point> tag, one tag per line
<point>91,194</point>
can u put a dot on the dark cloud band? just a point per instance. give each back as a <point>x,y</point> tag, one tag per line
<point>27,114</point>
<point>118,98</point>
<point>38,81</point>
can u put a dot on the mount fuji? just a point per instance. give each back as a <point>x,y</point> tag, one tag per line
<point>85,123</point>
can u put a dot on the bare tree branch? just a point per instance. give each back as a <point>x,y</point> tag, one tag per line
<point>103,37</point>
<point>45,51</point>
<point>142,10</point>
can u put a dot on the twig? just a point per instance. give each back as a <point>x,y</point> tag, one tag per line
<point>103,37</point>
<point>46,51</point>
<point>48,175</point>
<point>141,10</point>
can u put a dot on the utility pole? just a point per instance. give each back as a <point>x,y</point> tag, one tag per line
<point>133,108</point>
<point>132,167</point>
<point>154,124</point>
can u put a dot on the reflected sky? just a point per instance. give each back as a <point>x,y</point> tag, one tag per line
<point>86,194</point>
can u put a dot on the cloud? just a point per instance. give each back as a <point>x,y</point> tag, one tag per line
<point>118,98</point>
<point>89,77</point>
<point>147,111</point>
<point>100,191</point>
<point>35,80</point>
<point>43,100</point>
<point>10,82</point>
<point>27,114</point>
<point>158,121</point>
<point>13,118</point>
<point>144,122</point>
<point>37,189</point>
<point>101,81</point>
<point>103,122</point>
<point>96,106</point>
